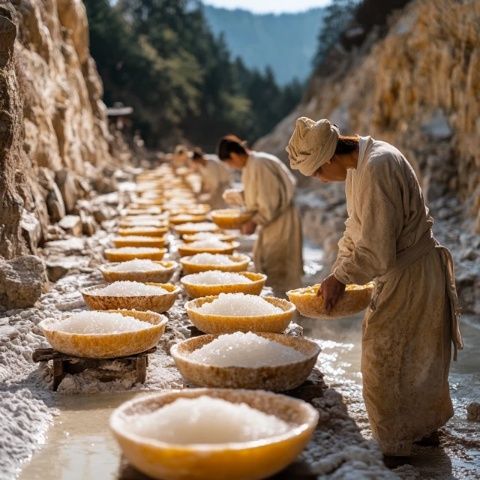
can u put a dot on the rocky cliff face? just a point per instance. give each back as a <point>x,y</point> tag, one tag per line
<point>53,130</point>
<point>418,88</point>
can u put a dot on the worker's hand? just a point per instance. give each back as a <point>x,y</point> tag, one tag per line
<point>233,196</point>
<point>248,227</point>
<point>331,290</point>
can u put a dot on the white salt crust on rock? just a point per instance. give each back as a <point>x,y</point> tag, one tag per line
<point>245,350</point>
<point>216,277</point>
<point>207,420</point>
<point>99,322</point>
<point>137,265</point>
<point>128,289</point>
<point>237,305</point>
<point>210,259</point>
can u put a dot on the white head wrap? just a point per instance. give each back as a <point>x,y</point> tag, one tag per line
<point>312,144</point>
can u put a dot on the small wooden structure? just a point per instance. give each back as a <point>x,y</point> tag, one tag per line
<point>63,364</point>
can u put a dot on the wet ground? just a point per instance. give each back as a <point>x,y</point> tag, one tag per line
<point>79,445</point>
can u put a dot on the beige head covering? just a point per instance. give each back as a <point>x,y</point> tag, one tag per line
<point>312,144</point>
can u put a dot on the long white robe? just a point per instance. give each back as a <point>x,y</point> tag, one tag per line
<point>269,189</point>
<point>409,328</point>
<point>216,178</point>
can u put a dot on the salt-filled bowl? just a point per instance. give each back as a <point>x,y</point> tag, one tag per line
<point>144,221</point>
<point>139,241</point>
<point>106,344</point>
<point>124,254</point>
<point>233,263</point>
<point>275,322</point>
<point>187,218</point>
<point>223,237</point>
<point>355,299</point>
<point>143,231</point>
<point>188,249</point>
<point>114,272</point>
<point>252,283</point>
<point>232,460</point>
<point>134,210</point>
<point>275,373</point>
<point>132,297</point>
<point>230,219</point>
<point>191,228</point>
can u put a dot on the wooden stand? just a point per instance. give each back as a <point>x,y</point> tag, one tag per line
<point>63,364</point>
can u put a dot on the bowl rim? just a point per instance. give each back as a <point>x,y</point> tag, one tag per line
<point>116,419</point>
<point>351,287</point>
<point>262,278</point>
<point>163,320</point>
<point>233,244</point>
<point>188,307</point>
<point>185,357</point>
<point>114,250</point>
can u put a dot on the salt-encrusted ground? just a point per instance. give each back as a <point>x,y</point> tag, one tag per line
<point>340,449</point>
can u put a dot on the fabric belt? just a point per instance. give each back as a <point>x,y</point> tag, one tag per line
<point>410,255</point>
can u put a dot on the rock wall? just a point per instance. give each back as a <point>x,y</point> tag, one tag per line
<point>418,88</point>
<point>53,130</point>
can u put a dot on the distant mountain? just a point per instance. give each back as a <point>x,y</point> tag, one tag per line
<point>286,42</point>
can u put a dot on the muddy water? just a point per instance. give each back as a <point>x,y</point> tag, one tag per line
<point>79,445</point>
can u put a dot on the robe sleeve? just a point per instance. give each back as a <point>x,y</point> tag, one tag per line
<point>345,246</point>
<point>265,194</point>
<point>380,210</point>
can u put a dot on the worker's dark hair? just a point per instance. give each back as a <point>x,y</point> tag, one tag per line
<point>231,144</point>
<point>197,154</point>
<point>346,144</point>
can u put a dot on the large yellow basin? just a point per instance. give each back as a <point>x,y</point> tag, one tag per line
<point>277,378</point>
<point>156,303</point>
<point>117,255</point>
<point>186,250</point>
<point>276,322</point>
<point>230,219</point>
<point>155,276</point>
<point>139,241</point>
<point>355,299</point>
<point>254,287</point>
<point>253,460</point>
<point>240,264</point>
<point>107,345</point>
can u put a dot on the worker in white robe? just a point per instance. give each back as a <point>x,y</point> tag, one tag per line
<point>215,175</point>
<point>268,192</point>
<point>412,322</point>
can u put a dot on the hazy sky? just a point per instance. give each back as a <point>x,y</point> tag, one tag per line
<point>269,6</point>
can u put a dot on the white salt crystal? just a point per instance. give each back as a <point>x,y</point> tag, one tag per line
<point>215,277</point>
<point>148,229</point>
<point>207,420</point>
<point>210,259</point>
<point>139,238</point>
<point>198,227</point>
<point>137,250</point>
<point>136,266</point>
<point>204,236</point>
<point>128,289</point>
<point>213,243</point>
<point>239,305</point>
<point>245,350</point>
<point>99,322</point>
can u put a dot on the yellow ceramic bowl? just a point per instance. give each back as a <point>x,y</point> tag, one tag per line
<point>119,255</point>
<point>139,241</point>
<point>224,237</point>
<point>107,345</point>
<point>355,299</point>
<point>135,209</point>
<point>208,323</point>
<point>186,249</point>
<point>191,229</point>
<point>240,264</point>
<point>143,231</point>
<point>252,460</point>
<point>277,378</point>
<point>254,287</point>
<point>156,276</point>
<point>230,219</point>
<point>187,218</point>
<point>156,303</point>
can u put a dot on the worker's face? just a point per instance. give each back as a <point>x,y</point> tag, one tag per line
<point>331,172</point>
<point>181,158</point>
<point>236,161</point>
